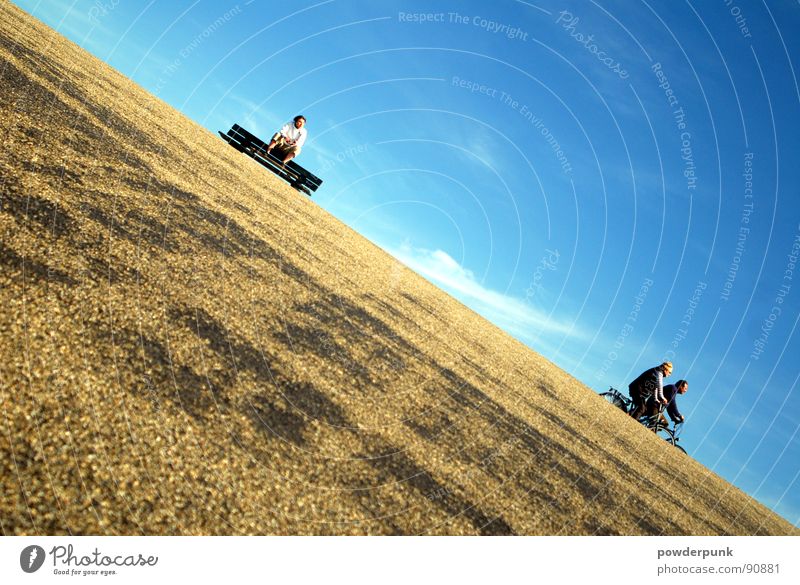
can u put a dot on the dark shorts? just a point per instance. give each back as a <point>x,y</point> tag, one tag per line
<point>280,142</point>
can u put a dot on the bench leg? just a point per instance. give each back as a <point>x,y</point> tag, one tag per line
<point>300,186</point>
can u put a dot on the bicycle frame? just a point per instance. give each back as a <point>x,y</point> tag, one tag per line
<point>656,422</point>
<point>676,431</point>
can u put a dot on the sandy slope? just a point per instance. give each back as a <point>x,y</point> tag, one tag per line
<point>189,346</point>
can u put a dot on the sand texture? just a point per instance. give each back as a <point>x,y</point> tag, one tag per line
<point>189,346</point>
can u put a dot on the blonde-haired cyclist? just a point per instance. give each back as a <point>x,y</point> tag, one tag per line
<point>649,384</point>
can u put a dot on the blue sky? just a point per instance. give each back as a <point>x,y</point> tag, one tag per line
<point>612,183</point>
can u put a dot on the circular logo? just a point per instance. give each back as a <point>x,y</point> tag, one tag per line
<point>31,558</point>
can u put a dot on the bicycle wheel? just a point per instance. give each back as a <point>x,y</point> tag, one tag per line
<point>616,399</point>
<point>666,434</point>
<point>681,449</point>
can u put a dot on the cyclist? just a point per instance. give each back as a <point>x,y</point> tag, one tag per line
<point>649,384</point>
<point>671,392</point>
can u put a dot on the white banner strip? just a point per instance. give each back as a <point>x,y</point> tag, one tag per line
<point>416,560</point>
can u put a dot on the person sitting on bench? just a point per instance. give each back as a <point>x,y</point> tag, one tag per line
<point>290,138</point>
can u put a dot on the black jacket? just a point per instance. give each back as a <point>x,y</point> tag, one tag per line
<point>645,385</point>
<point>671,393</point>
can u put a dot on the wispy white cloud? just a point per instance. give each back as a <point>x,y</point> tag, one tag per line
<point>511,314</point>
<point>76,22</point>
<point>485,148</point>
<point>249,113</point>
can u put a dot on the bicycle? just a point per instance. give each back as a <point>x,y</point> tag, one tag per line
<point>656,423</point>
<point>676,431</point>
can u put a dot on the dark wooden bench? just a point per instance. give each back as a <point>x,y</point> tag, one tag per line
<point>253,146</point>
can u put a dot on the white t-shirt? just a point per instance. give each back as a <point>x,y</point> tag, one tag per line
<point>298,135</point>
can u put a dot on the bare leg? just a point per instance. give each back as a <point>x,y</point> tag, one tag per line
<point>288,157</point>
<point>271,146</point>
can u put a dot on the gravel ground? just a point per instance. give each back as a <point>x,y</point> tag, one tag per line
<point>191,347</point>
